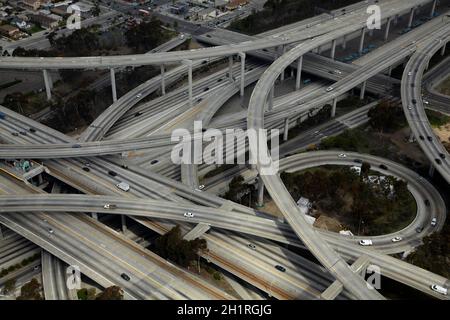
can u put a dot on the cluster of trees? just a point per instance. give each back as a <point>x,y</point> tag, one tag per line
<point>434,254</point>
<point>110,293</point>
<point>277,13</point>
<point>30,291</point>
<point>348,195</point>
<point>25,103</point>
<point>173,247</point>
<point>387,117</point>
<point>146,36</point>
<point>81,42</point>
<point>241,192</point>
<point>17,266</point>
<point>77,111</point>
<point>349,140</point>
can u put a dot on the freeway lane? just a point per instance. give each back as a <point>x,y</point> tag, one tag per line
<point>413,105</point>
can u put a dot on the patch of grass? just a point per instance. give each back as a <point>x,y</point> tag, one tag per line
<point>437,119</point>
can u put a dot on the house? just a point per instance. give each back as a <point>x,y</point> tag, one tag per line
<point>60,11</point>
<point>32,4</point>
<point>9,31</point>
<point>235,4</point>
<point>207,13</point>
<point>44,21</point>
<point>20,23</point>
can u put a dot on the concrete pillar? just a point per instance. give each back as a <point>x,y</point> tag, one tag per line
<point>230,68</point>
<point>371,33</point>
<point>113,84</point>
<point>411,137</point>
<point>433,8</point>
<point>333,109</point>
<point>123,219</point>
<point>411,18</point>
<point>283,50</point>
<point>443,49</point>
<point>361,41</point>
<point>344,42</point>
<point>189,64</point>
<point>48,83</point>
<point>260,201</point>
<point>286,129</point>
<point>242,56</point>
<point>333,49</point>
<point>94,215</point>
<point>363,90</point>
<point>389,71</point>
<point>431,171</point>
<point>319,49</point>
<point>396,20</point>
<point>1,232</point>
<point>163,80</point>
<point>388,26</point>
<point>298,79</point>
<point>271,95</point>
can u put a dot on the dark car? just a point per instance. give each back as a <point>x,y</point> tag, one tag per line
<point>112,173</point>
<point>125,277</point>
<point>358,161</point>
<point>124,166</point>
<point>419,229</point>
<point>219,80</point>
<point>76,146</point>
<point>24,133</point>
<point>442,155</point>
<point>414,101</point>
<point>422,137</point>
<point>427,202</point>
<point>86,169</point>
<point>33,130</point>
<point>430,138</point>
<point>137,114</point>
<point>206,89</point>
<point>154,161</point>
<point>280,268</point>
<point>438,161</point>
<point>382,166</point>
<point>15,134</point>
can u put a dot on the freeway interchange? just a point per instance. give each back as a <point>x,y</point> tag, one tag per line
<point>158,201</point>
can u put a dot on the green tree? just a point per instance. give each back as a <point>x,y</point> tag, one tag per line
<point>111,293</point>
<point>9,286</point>
<point>30,291</point>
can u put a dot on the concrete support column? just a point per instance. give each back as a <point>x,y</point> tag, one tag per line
<point>123,219</point>
<point>319,49</point>
<point>361,41</point>
<point>286,129</point>
<point>260,201</point>
<point>389,71</point>
<point>242,56</point>
<point>1,232</point>
<point>363,90</point>
<point>396,20</point>
<point>411,17</point>
<point>298,79</point>
<point>388,26</point>
<point>189,64</point>
<point>431,171</point>
<point>113,84</point>
<point>230,68</point>
<point>271,95</point>
<point>163,80</point>
<point>443,49</point>
<point>433,8</point>
<point>48,83</point>
<point>411,137</point>
<point>283,50</point>
<point>333,49</point>
<point>94,215</point>
<point>344,42</point>
<point>333,109</point>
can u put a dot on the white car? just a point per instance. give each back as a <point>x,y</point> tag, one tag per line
<point>342,155</point>
<point>123,186</point>
<point>396,239</point>
<point>425,102</point>
<point>139,95</point>
<point>110,206</point>
<point>365,242</point>
<point>410,73</point>
<point>188,215</point>
<point>201,187</point>
<point>329,89</point>
<point>409,108</point>
<point>337,71</point>
<point>439,289</point>
<point>433,222</point>
<point>50,230</point>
